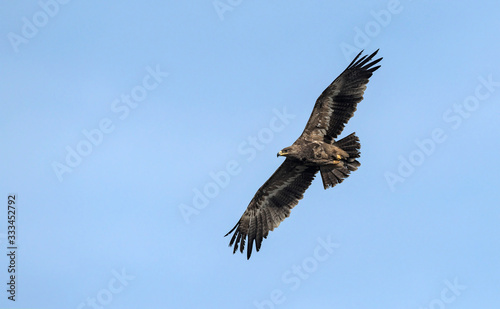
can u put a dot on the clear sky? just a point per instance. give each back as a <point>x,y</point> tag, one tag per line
<point>134,135</point>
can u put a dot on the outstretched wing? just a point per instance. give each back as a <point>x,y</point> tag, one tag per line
<point>272,204</point>
<point>337,104</point>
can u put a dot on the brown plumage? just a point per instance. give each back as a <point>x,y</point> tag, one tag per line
<point>315,150</point>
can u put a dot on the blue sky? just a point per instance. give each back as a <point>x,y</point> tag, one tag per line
<point>135,135</point>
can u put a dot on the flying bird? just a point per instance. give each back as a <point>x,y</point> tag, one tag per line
<point>315,150</point>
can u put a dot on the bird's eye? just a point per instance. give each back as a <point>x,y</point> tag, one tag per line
<point>284,150</point>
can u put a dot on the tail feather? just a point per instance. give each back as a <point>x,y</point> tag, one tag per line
<point>351,145</point>
<point>336,173</point>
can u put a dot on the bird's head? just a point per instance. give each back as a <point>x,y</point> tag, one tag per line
<point>285,152</point>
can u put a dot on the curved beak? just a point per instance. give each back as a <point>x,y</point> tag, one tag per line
<point>279,154</point>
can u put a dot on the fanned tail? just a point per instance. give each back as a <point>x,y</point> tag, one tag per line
<point>336,173</point>
<point>351,145</point>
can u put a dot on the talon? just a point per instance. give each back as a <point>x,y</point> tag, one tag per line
<point>339,157</point>
<point>335,162</point>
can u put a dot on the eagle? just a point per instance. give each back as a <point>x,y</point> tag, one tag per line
<point>315,150</point>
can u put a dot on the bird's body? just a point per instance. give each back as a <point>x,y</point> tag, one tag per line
<point>315,150</point>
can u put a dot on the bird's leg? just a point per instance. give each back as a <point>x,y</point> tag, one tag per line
<point>339,158</point>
